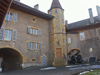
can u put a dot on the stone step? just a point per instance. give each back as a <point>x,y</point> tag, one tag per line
<point>59,62</point>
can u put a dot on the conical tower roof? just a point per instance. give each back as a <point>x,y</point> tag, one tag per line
<point>56,4</point>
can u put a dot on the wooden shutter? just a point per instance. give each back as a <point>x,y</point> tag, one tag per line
<point>28,31</point>
<point>40,32</point>
<point>15,16</point>
<point>1,33</point>
<point>28,45</point>
<point>40,46</point>
<point>14,35</point>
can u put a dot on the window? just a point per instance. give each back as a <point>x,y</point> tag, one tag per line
<point>33,20</point>
<point>33,60</point>
<point>61,12</point>
<point>69,40</point>
<point>82,36</point>
<point>58,43</point>
<point>63,40</point>
<point>8,35</point>
<point>56,11</point>
<point>30,30</point>
<point>34,31</point>
<point>62,30</point>
<point>62,20</point>
<point>36,46</point>
<point>8,16</point>
<point>30,45</point>
<point>15,17</point>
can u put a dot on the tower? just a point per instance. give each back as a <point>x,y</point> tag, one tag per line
<point>58,51</point>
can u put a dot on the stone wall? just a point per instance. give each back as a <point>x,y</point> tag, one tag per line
<point>25,20</point>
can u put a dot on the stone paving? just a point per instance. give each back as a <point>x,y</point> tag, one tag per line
<point>66,70</point>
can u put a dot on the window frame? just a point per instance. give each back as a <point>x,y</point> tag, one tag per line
<point>68,40</point>
<point>9,16</point>
<point>35,31</point>
<point>84,35</point>
<point>56,11</point>
<point>32,61</point>
<point>5,34</point>
<point>34,19</point>
<point>36,45</point>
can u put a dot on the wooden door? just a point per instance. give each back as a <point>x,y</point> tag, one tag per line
<point>58,52</point>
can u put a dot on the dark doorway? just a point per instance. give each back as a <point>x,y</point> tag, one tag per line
<point>12,59</point>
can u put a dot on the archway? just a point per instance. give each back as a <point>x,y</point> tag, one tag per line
<point>74,56</point>
<point>12,58</point>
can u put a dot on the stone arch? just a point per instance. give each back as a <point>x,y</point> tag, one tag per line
<point>12,58</point>
<point>73,49</point>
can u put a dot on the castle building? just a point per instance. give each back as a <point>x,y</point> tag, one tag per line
<point>30,37</point>
<point>84,36</point>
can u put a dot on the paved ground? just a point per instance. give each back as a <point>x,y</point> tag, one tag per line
<point>66,70</point>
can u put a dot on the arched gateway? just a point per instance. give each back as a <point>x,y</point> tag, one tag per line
<point>10,58</point>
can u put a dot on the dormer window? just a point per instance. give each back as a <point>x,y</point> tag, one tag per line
<point>55,11</point>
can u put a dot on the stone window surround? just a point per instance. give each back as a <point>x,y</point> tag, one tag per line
<point>84,35</point>
<point>39,48</point>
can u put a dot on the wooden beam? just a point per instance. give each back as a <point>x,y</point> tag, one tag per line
<point>1,6</point>
<point>2,10</point>
<point>5,3</point>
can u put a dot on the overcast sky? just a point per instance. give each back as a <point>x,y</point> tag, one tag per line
<point>75,10</point>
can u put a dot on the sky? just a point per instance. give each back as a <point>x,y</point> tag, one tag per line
<point>74,10</point>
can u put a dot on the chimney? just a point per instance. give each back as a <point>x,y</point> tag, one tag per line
<point>98,12</point>
<point>91,16</point>
<point>66,23</point>
<point>36,6</point>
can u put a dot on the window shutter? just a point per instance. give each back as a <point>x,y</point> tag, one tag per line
<point>40,46</point>
<point>1,33</point>
<point>28,45</point>
<point>29,29</point>
<point>15,16</point>
<point>14,35</point>
<point>40,32</point>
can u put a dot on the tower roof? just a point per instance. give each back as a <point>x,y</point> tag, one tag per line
<point>56,4</point>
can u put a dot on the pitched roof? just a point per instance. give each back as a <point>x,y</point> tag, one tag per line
<point>83,25</point>
<point>29,10</point>
<point>56,4</point>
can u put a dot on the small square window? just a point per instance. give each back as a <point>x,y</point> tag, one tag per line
<point>33,59</point>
